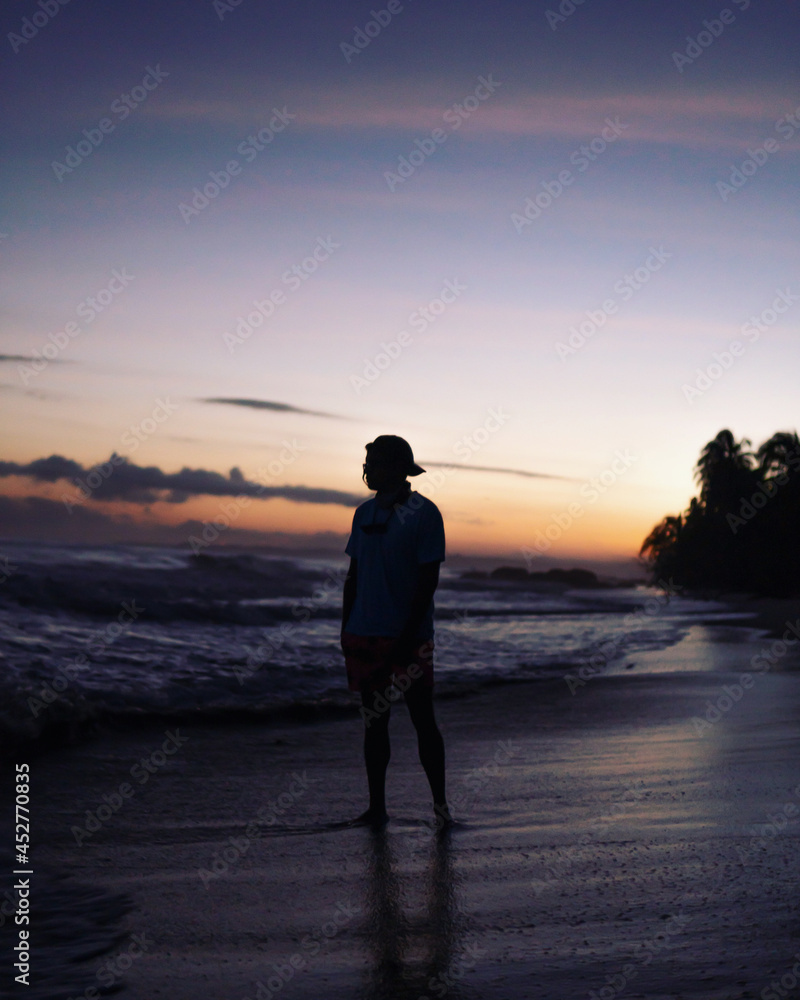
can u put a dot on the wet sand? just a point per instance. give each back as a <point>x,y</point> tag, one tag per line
<point>772,614</point>
<point>609,844</point>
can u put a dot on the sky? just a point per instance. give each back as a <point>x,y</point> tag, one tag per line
<point>553,245</point>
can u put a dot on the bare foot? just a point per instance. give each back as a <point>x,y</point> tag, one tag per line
<point>373,818</point>
<point>444,821</point>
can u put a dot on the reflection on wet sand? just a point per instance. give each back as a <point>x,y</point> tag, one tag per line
<point>413,956</point>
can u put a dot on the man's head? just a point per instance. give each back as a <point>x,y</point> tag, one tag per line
<point>389,461</point>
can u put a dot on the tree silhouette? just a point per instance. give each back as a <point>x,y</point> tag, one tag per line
<point>743,531</point>
<point>725,471</point>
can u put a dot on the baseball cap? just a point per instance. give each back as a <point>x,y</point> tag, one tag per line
<point>396,448</point>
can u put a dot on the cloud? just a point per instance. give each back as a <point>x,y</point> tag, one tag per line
<point>490,468</point>
<point>29,358</point>
<point>40,519</point>
<point>119,479</point>
<point>703,121</point>
<point>22,391</point>
<point>265,404</point>
<point>47,470</point>
<point>713,120</point>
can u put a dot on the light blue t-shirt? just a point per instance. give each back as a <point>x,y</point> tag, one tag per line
<point>388,563</point>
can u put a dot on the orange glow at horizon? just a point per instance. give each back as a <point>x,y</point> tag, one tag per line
<point>515,531</point>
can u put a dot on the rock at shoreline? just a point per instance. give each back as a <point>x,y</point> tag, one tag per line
<point>583,578</point>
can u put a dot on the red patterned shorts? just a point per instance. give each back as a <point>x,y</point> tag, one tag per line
<point>368,669</point>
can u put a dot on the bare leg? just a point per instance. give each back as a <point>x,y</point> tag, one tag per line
<point>431,745</point>
<point>376,757</point>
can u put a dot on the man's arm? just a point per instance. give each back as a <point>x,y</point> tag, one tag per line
<point>349,592</point>
<point>424,589</point>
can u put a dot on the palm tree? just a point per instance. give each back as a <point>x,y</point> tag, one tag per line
<point>662,540</point>
<point>780,453</point>
<point>775,537</point>
<point>726,472</point>
<point>743,531</point>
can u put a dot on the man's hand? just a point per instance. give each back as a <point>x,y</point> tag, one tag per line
<point>406,647</point>
<point>349,591</point>
<point>402,652</point>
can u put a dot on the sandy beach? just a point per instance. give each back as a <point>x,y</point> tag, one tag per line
<point>635,838</point>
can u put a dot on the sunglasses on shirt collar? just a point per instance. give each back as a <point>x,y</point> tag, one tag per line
<point>379,527</point>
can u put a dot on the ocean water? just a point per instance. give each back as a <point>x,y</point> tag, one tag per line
<point>90,633</point>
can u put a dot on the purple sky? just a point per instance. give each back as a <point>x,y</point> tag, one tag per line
<point>532,243</point>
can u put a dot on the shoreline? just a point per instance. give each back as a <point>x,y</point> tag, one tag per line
<point>599,832</point>
<point>751,615</point>
<point>772,614</point>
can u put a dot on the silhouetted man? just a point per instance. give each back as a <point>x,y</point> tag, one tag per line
<point>395,548</point>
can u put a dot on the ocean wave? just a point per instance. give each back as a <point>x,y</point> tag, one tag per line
<point>73,719</point>
<point>202,587</point>
<point>91,636</point>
